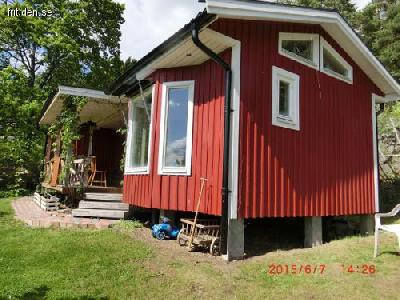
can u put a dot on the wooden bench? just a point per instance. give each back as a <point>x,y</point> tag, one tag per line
<point>393,228</point>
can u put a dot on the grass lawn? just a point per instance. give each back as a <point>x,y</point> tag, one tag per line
<point>90,264</point>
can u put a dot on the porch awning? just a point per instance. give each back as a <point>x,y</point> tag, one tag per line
<point>106,111</point>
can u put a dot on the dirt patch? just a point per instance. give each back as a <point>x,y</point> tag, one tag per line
<point>169,254</point>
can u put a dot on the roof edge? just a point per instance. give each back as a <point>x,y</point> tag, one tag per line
<point>118,86</point>
<point>250,8</point>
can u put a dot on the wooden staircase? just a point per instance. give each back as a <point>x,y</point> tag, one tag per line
<point>102,205</point>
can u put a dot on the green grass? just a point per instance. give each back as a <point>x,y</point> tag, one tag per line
<point>109,264</point>
<point>127,225</point>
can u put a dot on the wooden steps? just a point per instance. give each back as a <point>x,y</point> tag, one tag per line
<point>109,197</point>
<point>100,213</point>
<point>102,205</point>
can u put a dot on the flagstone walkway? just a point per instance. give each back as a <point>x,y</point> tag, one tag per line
<point>32,215</point>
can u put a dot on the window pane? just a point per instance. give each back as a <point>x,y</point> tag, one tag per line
<point>283,98</point>
<point>141,133</point>
<point>303,49</point>
<point>177,118</point>
<point>332,64</point>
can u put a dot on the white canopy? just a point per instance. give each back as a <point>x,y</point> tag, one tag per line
<point>106,111</point>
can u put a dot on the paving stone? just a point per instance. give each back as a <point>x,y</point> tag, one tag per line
<point>32,215</point>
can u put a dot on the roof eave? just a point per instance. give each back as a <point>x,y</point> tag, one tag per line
<point>272,11</point>
<point>122,84</point>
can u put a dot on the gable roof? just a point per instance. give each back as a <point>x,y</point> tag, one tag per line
<point>330,20</point>
<point>127,82</point>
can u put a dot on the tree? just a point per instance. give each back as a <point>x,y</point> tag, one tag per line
<point>388,40</point>
<point>77,45</point>
<point>345,7</point>
<point>21,142</point>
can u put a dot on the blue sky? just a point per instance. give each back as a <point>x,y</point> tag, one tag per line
<point>149,22</point>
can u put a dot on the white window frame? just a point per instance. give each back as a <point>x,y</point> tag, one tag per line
<point>327,46</point>
<point>187,169</point>
<point>293,120</point>
<point>131,123</point>
<point>294,36</point>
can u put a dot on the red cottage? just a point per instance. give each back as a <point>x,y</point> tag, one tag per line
<point>273,104</point>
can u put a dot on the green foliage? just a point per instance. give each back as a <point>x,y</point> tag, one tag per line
<point>380,27</point>
<point>67,124</point>
<point>345,7</point>
<point>20,146</point>
<point>77,46</point>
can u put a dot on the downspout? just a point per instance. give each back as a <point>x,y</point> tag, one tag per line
<point>227,125</point>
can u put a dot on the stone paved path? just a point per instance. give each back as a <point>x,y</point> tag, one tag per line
<point>28,212</point>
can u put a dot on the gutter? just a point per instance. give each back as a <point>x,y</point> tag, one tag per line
<point>124,82</point>
<point>227,128</point>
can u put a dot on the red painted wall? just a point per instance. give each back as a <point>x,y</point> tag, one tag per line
<point>326,168</point>
<point>108,149</point>
<point>181,192</point>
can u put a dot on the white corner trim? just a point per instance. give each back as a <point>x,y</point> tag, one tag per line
<point>235,122</point>
<point>272,11</point>
<point>294,36</point>
<point>235,127</point>
<point>293,120</point>
<point>327,46</point>
<point>177,171</point>
<point>375,99</point>
<point>138,170</point>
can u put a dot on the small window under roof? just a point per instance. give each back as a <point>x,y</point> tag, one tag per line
<point>333,64</point>
<point>302,47</point>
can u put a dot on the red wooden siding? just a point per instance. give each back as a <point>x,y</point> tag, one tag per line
<point>108,149</point>
<point>324,169</point>
<point>181,192</point>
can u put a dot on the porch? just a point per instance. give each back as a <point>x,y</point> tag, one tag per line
<point>93,175</point>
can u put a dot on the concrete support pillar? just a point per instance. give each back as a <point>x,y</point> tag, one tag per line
<point>155,216</point>
<point>170,214</point>
<point>367,224</point>
<point>235,239</point>
<point>312,232</point>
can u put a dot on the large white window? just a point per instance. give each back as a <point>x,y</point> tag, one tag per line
<point>175,152</point>
<point>333,64</point>
<point>139,134</point>
<point>285,99</point>
<point>302,47</point>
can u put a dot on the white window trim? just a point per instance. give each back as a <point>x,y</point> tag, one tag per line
<point>138,170</point>
<point>325,44</point>
<point>294,36</point>
<point>182,171</point>
<point>293,121</point>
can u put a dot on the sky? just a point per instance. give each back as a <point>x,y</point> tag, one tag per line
<point>149,22</point>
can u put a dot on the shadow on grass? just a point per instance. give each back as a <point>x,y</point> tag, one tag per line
<point>5,214</point>
<point>36,294</point>
<point>395,253</point>
<point>40,293</point>
<point>86,298</point>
